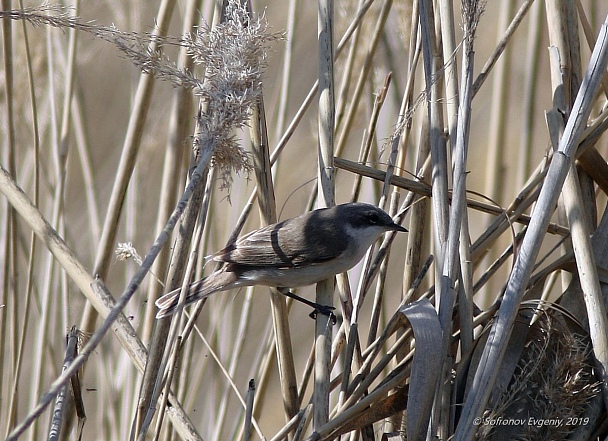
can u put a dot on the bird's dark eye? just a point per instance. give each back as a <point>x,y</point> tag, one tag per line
<point>373,218</point>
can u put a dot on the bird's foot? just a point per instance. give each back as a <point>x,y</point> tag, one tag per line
<point>319,309</point>
<point>324,310</point>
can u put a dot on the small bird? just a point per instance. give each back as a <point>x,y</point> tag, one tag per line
<point>295,252</point>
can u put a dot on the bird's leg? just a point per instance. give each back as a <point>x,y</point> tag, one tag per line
<point>323,309</point>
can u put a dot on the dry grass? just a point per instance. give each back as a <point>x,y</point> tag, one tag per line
<point>175,129</point>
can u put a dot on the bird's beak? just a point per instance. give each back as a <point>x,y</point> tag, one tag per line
<point>397,227</point>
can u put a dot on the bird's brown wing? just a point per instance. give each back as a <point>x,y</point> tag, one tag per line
<point>287,244</point>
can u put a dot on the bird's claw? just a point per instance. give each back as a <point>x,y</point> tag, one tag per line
<point>324,310</point>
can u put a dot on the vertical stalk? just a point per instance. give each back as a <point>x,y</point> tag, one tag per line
<point>326,198</point>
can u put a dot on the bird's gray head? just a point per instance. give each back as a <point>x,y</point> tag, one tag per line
<point>359,216</point>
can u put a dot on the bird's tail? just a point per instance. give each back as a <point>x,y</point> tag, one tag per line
<point>218,281</point>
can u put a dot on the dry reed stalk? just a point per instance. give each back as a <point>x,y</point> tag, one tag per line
<point>268,214</point>
<point>420,211</point>
<point>437,144</point>
<point>326,198</point>
<point>454,251</point>
<point>283,101</point>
